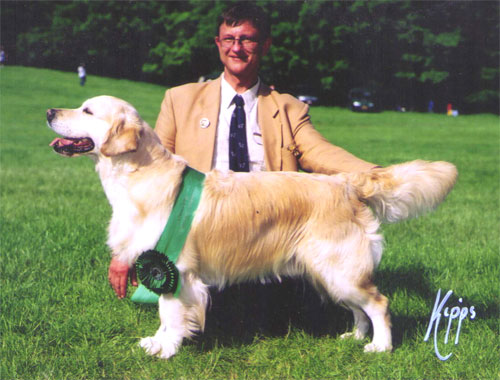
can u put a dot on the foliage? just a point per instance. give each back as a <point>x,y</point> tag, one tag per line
<point>414,51</point>
<point>60,319</point>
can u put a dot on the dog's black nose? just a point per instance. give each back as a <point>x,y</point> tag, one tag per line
<point>51,114</point>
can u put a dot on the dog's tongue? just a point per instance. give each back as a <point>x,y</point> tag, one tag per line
<point>61,142</point>
<point>69,146</point>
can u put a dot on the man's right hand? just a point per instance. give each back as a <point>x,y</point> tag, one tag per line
<point>118,275</point>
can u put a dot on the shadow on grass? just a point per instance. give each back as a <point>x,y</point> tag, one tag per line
<point>240,313</point>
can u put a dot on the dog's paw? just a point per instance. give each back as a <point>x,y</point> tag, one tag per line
<point>373,347</point>
<point>150,345</point>
<point>356,334</point>
<point>154,346</point>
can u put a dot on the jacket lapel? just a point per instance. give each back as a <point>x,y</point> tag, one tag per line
<point>270,125</point>
<point>209,104</point>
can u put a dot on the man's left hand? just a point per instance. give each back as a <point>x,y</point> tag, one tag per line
<point>118,275</point>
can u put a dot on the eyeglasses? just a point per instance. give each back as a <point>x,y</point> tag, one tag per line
<point>247,43</point>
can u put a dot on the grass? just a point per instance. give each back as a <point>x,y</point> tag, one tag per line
<point>60,320</point>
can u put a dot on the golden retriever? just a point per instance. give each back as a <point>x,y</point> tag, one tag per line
<point>248,226</point>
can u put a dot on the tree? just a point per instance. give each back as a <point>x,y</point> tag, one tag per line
<point>413,51</point>
<point>185,50</point>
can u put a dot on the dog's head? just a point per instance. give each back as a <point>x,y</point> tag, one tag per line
<point>103,125</point>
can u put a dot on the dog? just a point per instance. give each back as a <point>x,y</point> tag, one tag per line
<point>248,226</point>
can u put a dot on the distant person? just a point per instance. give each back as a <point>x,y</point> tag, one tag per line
<point>430,106</point>
<point>82,74</point>
<point>273,132</point>
<point>3,56</point>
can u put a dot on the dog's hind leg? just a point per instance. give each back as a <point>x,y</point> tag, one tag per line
<point>361,324</point>
<point>367,305</point>
<point>366,302</point>
<point>347,285</point>
<point>180,318</point>
<point>377,309</point>
<point>375,306</point>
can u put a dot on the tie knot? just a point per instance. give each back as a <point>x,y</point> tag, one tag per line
<point>238,100</point>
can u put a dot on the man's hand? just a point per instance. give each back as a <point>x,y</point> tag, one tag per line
<point>118,275</point>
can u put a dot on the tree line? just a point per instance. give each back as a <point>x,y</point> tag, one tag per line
<point>411,52</point>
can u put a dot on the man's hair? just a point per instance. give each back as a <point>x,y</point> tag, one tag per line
<point>240,12</point>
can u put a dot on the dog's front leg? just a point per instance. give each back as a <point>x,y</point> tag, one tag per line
<point>169,336</point>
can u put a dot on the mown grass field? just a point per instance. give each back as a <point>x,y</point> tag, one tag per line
<point>60,320</point>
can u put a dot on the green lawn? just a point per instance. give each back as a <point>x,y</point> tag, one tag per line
<point>60,320</point>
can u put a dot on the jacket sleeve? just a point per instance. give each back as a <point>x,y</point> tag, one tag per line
<point>314,152</point>
<point>165,124</point>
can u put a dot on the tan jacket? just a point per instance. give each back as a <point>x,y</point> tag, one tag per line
<point>187,126</point>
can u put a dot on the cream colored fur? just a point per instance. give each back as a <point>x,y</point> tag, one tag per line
<point>251,226</point>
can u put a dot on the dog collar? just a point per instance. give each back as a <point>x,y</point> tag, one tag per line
<point>156,268</point>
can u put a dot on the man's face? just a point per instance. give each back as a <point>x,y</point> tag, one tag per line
<point>241,56</point>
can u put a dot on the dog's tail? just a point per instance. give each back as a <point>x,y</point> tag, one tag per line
<point>406,190</point>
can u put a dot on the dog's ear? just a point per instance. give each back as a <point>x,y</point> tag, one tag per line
<point>123,137</point>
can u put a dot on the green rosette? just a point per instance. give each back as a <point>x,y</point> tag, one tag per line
<point>157,273</point>
<point>156,268</point>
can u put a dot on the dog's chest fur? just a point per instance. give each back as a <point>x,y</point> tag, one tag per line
<point>134,227</point>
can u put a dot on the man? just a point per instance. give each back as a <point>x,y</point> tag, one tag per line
<point>82,74</point>
<point>195,120</point>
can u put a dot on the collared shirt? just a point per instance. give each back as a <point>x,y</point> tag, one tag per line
<point>254,136</point>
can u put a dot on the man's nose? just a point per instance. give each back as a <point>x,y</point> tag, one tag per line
<point>237,45</point>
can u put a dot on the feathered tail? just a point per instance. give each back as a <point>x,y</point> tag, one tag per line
<point>406,190</point>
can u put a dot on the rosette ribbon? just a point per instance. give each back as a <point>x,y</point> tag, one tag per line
<point>156,269</point>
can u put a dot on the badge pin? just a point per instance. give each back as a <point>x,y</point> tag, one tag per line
<point>204,123</point>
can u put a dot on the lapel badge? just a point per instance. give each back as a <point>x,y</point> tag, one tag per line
<point>204,123</point>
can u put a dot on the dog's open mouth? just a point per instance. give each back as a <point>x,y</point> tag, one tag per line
<point>69,146</point>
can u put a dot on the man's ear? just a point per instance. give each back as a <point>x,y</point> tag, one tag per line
<point>123,137</point>
<point>266,45</point>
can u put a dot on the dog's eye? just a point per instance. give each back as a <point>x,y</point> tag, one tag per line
<point>87,111</point>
